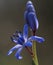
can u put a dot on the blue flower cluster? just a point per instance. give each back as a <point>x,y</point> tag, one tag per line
<point>21,39</point>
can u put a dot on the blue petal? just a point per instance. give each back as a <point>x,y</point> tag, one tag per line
<point>36,38</point>
<point>18,40</point>
<point>14,48</point>
<point>17,34</point>
<point>28,43</point>
<point>37,24</point>
<point>14,40</point>
<point>29,3</point>
<point>20,34</point>
<point>25,31</point>
<point>21,40</point>
<point>33,21</point>
<point>18,53</point>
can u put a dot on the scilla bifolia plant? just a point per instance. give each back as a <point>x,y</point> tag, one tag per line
<point>22,40</point>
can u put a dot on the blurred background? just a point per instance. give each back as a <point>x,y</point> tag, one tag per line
<point>12,19</point>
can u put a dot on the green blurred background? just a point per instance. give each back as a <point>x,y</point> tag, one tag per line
<point>12,18</point>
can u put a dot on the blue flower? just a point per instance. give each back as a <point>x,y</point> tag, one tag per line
<point>30,16</point>
<point>22,41</point>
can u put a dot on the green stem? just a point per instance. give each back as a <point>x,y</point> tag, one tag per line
<point>35,60</point>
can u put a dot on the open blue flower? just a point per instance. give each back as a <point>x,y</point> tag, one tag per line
<point>22,41</point>
<point>30,16</point>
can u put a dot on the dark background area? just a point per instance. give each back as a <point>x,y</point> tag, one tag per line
<point>12,18</point>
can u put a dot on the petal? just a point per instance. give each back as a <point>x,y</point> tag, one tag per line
<point>29,3</point>
<point>14,40</point>
<point>17,34</point>
<point>14,48</point>
<point>36,38</point>
<point>25,31</point>
<point>20,57</point>
<point>18,53</point>
<point>33,21</point>
<point>37,24</point>
<point>17,40</point>
<point>20,34</point>
<point>28,43</point>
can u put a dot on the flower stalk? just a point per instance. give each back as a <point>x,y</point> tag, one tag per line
<point>35,59</point>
